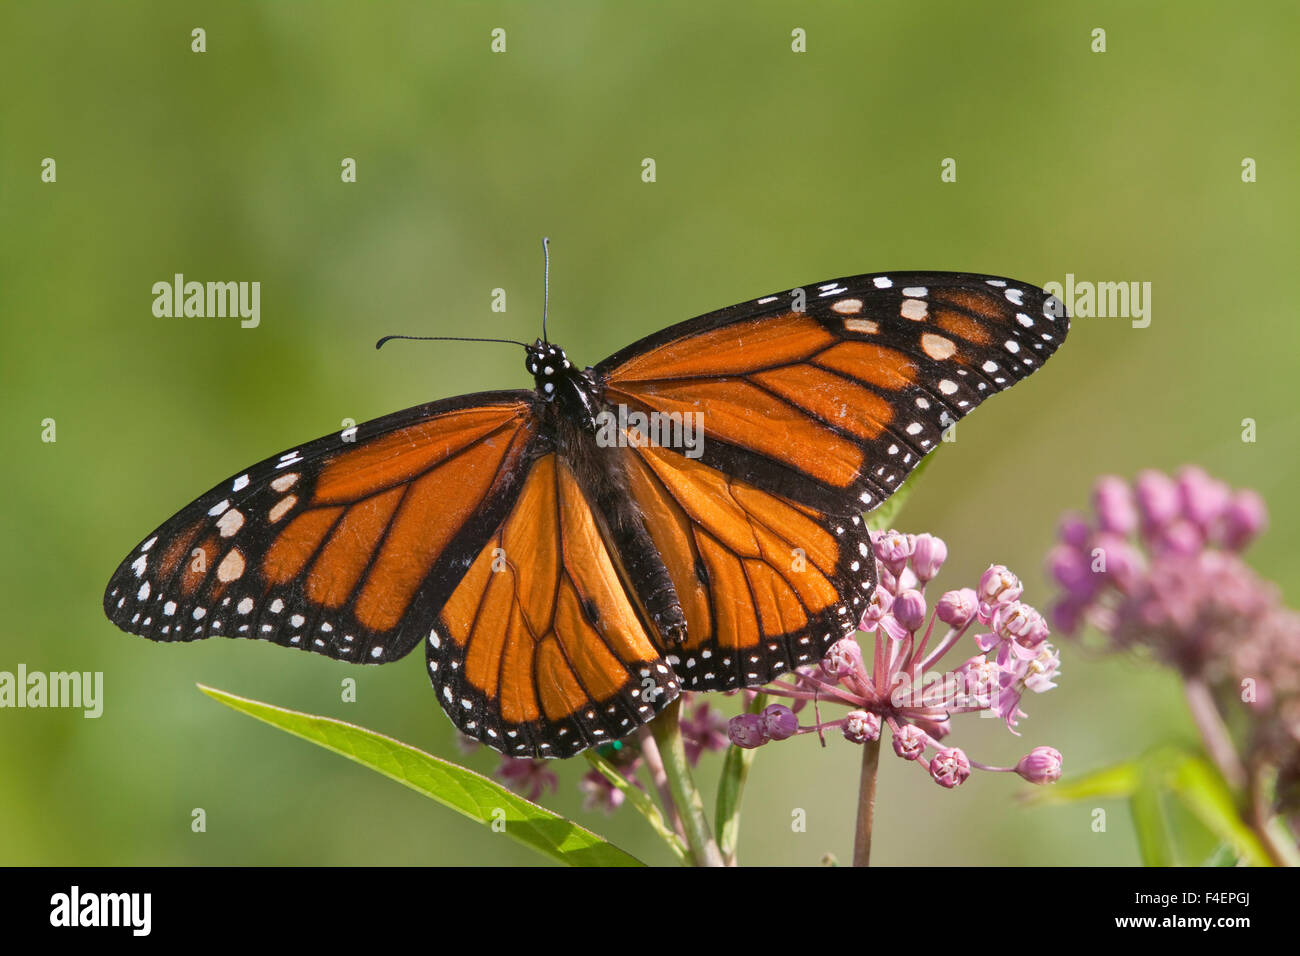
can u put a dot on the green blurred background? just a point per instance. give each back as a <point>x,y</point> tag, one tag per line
<point>774,169</point>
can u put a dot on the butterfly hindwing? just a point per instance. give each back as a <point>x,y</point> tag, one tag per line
<point>766,584</point>
<point>541,651</point>
<point>341,545</point>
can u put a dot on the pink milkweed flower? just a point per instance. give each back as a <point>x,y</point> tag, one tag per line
<point>1018,629</point>
<point>997,586</point>
<point>1116,509</point>
<point>1041,671</point>
<point>1184,594</point>
<point>1204,499</point>
<point>598,793</point>
<point>527,775</point>
<point>1158,499</point>
<point>842,658</point>
<point>903,681</point>
<point>892,549</point>
<point>861,726</point>
<point>703,731</point>
<point>879,605</point>
<point>1244,518</point>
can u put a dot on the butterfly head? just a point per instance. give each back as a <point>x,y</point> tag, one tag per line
<point>548,365</point>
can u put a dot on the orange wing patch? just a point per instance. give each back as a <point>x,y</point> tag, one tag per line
<point>540,649</point>
<point>402,455</point>
<point>759,578</point>
<point>783,387</point>
<point>731,350</point>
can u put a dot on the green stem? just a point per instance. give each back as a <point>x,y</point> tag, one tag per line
<point>667,734</point>
<point>866,802</point>
<point>655,766</point>
<point>731,788</point>
<point>639,799</point>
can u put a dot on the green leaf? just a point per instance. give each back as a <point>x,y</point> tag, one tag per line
<point>886,515</point>
<point>731,787</point>
<point>1149,823</point>
<point>1223,855</point>
<point>641,800</point>
<point>1203,791</point>
<point>1165,772</point>
<point>464,791</point>
<point>1119,780</point>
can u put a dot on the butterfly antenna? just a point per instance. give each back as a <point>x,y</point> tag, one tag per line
<point>445,338</point>
<point>546,283</point>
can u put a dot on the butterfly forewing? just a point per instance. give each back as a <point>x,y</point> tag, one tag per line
<point>340,545</point>
<point>833,393</point>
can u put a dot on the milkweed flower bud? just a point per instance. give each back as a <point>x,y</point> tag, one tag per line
<point>950,767</point>
<point>779,721</point>
<point>1112,499</point>
<point>1073,530</point>
<point>1204,499</point>
<point>1040,765</point>
<point>956,608</point>
<point>909,741</point>
<point>1157,497</point>
<point>861,726</point>
<point>747,731</point>
<point>1245,517</point>
<point>928,556</point>
<point>909,610</point>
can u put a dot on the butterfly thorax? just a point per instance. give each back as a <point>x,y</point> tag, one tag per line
<point>559,381</point>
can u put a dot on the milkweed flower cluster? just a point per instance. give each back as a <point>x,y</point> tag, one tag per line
<point>904,686</point>
<point>1158,567</point>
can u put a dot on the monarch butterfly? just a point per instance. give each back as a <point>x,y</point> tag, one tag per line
<point>568,574</point>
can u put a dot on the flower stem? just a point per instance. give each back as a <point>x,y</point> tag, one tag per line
<point>655,765</point>
<point>1272,832</point>
<point>668,735</point>
<point>866,802</point>
<point>1214,733</point>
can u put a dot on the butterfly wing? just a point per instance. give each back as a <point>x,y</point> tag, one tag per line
<point>345,546</point>
<point>541,650</point>
<point>814,406</point>
<point>766,584</point>
<point>831,395</point>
